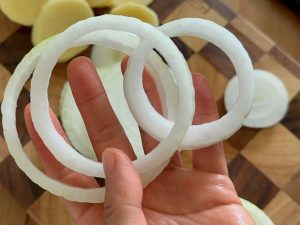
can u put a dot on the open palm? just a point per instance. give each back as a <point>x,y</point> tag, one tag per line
<point>203,195</point>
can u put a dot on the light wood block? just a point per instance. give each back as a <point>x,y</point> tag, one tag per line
<point>11,212</point>
<point>48,210</point>
<point>283,210</point>
<point>275,151</point>
<point>195,9</point>
<point>268,63</point>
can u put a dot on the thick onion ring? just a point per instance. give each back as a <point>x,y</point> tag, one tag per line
<point>9,104</point>
<point>24,70</point>
<point>199,136</point>
<point>22,73</point>
<point>65,153</point>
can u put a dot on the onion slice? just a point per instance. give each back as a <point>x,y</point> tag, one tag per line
<point>270,103</point>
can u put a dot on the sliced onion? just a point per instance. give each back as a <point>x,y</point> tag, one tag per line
<point>270,103</point>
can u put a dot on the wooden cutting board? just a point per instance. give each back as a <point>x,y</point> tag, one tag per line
<point>264,164</point>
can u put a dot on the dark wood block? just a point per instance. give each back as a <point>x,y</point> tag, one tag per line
<point>292,188</point>
<point>292,119</point>
<point>185,50</point>
<point>291,64</point>
<point>222,9</point>
<point>23,100</point>
<point>218,59</point>
<point>242,137</point>
<point>13,49</point>
<point>250,183</point>
<point>19,185</point>
<point>254,52</point>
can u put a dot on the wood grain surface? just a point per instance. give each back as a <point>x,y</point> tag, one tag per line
<point>264,164</point>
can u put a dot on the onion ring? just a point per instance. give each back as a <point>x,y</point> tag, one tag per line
<point>61,150</point>
<point>199,136</point>
<point>12,92</point>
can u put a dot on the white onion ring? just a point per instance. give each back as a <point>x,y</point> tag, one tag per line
<point>199,136</point>
<point>65,153</point>
<point>50,55</point>
<point>9,104</point>
<point>127,42</point>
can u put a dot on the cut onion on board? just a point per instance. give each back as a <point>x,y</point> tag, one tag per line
<point>270,103</point>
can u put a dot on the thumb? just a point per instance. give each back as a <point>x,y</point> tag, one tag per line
<point>124,191</point>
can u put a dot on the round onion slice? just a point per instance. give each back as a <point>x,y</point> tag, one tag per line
<point>270,103</point>
<point>61,150</point>
<point>209,133</point>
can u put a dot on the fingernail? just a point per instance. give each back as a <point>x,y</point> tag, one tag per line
<point>109,161</point>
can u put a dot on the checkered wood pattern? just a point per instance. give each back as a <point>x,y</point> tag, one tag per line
<point>264,164</point>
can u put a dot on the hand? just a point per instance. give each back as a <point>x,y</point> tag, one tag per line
<point>203,195</point>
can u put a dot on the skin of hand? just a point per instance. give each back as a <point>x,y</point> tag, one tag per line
<point>203,195</point>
